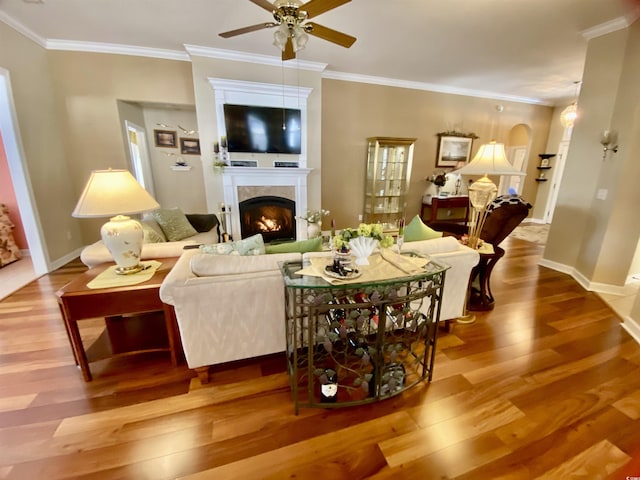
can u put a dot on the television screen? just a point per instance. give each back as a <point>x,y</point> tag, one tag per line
<point>262,129</point>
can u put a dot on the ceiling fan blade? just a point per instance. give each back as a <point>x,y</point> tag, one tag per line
<point>252,28</point>
<point>316,7</point>
<point>288,53</point>
<point>329,34</point>
<point>264,4</point>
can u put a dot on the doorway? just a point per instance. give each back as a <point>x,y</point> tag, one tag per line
<point>139,155</point>
<point>20,176</point>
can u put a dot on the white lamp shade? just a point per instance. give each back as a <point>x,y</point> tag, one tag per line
<point>491,159</point>
<point>113,192</point>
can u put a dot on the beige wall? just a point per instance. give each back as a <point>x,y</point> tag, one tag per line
<point>352,112</point>
<point>88,87</point>
<point>45,159</point>
<point>598,238</point>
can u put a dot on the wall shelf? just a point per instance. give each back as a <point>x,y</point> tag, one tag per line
<point>543,168</point>
<point>541,179</point>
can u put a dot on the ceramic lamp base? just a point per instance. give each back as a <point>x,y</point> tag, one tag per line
<point>123,238</point>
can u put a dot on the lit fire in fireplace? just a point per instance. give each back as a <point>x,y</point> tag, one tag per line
<point>268,225</point>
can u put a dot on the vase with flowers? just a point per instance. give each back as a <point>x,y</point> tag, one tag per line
<point>362,241</point>
<point>314,222</point>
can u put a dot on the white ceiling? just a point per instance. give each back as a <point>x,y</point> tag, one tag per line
<point>526,50</point>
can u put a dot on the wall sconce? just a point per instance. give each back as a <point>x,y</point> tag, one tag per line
<point>609,141</point>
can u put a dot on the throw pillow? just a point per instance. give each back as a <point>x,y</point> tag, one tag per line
<point>150,234</point>
<point>174,224</point>
<point>248,246</point>
<point>203,222</point>
<point>417,230</point>
<point>301,246</point>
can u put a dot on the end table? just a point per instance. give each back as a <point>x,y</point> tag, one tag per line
<point>127,330</point>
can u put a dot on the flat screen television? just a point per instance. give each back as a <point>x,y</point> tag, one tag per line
<point>257,129</point>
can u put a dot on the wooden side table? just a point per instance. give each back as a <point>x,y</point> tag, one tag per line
<point>457,209</point>
<point>125,332</point>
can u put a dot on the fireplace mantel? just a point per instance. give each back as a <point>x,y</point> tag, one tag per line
<point>234,177</point>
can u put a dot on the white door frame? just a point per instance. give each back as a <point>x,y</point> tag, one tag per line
<point>145,176</point>
<point>556,179</point>
<point>20,176</point>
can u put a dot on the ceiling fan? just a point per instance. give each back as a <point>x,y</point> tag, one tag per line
<point>291,19</point>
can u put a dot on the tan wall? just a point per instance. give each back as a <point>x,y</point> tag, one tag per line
<point>39,128</point>
<point>88,87</point>
<point>598,238</point>
<point>352,112</point>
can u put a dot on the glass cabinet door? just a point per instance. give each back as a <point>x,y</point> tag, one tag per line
<point>388,173</point>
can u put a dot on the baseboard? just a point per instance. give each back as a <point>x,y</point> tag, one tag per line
<point>60,262</point>
<point>632,327</point>
<point>535,220</point>
<point>582,280</point>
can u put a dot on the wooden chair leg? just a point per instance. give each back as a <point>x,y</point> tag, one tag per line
<point>203,374</point>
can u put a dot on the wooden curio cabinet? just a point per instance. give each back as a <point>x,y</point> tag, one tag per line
<point>387,182</point>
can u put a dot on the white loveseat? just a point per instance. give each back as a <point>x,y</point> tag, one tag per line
<point>232,307</point>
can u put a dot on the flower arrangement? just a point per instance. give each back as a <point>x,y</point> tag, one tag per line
<point>341,240</point>
<point>314,216</point>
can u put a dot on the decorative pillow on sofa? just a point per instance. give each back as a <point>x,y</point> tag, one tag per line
<point>174,223</point>
<point>417,230</point>
<point>248,246</point>
<point>301,246</point>
<point>151,235</point>
<point>203,222</point>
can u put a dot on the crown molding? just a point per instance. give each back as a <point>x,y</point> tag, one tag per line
<point>610,26</point>
<point>236,56</point>
<point>20,28</point>
<point>392,82</point>
<point>117,49</point>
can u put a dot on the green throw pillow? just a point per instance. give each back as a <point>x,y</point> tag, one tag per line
<point>417,230</point>
<point>174,224</point>
<point>150,234</point>
<point>248,246</point>
<point>301,246</point>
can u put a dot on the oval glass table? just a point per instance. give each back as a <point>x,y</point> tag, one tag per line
<point>350,343</point>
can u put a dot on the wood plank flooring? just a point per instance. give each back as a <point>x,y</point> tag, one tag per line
<point>547,385</point>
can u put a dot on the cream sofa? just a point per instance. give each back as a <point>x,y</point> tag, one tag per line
<point>206,226</point>
<point>232,307</point>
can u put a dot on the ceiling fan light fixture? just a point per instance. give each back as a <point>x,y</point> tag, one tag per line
<point>300,39</point>
<point>280,37</point>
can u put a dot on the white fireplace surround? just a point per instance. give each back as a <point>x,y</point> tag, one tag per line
<point>270,95</point>
<point>234,177</point>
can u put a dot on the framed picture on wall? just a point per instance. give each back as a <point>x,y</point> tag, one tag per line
<point>189,146</point>
<point>165,138</point>
<point>453,149</point>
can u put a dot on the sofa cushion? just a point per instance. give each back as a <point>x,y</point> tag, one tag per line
<point>253,245</point>
<point>174,223</point>
<point>301,246</point>
<point>151,235</point>
<point>203,265</point>
<point>417,230</point>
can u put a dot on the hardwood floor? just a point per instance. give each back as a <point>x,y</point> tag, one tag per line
<point>547,385</point>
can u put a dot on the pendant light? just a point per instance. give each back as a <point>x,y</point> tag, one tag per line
<point>569,114</point>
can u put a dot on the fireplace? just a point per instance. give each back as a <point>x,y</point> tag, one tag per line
<point>271,216</point>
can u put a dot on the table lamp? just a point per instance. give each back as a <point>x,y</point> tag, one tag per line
<point>491,159</point>
<point>116,194</point>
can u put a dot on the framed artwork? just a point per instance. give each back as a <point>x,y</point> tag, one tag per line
<point>165,138</point>
<point>453,149</point>
<point>189,146</point>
